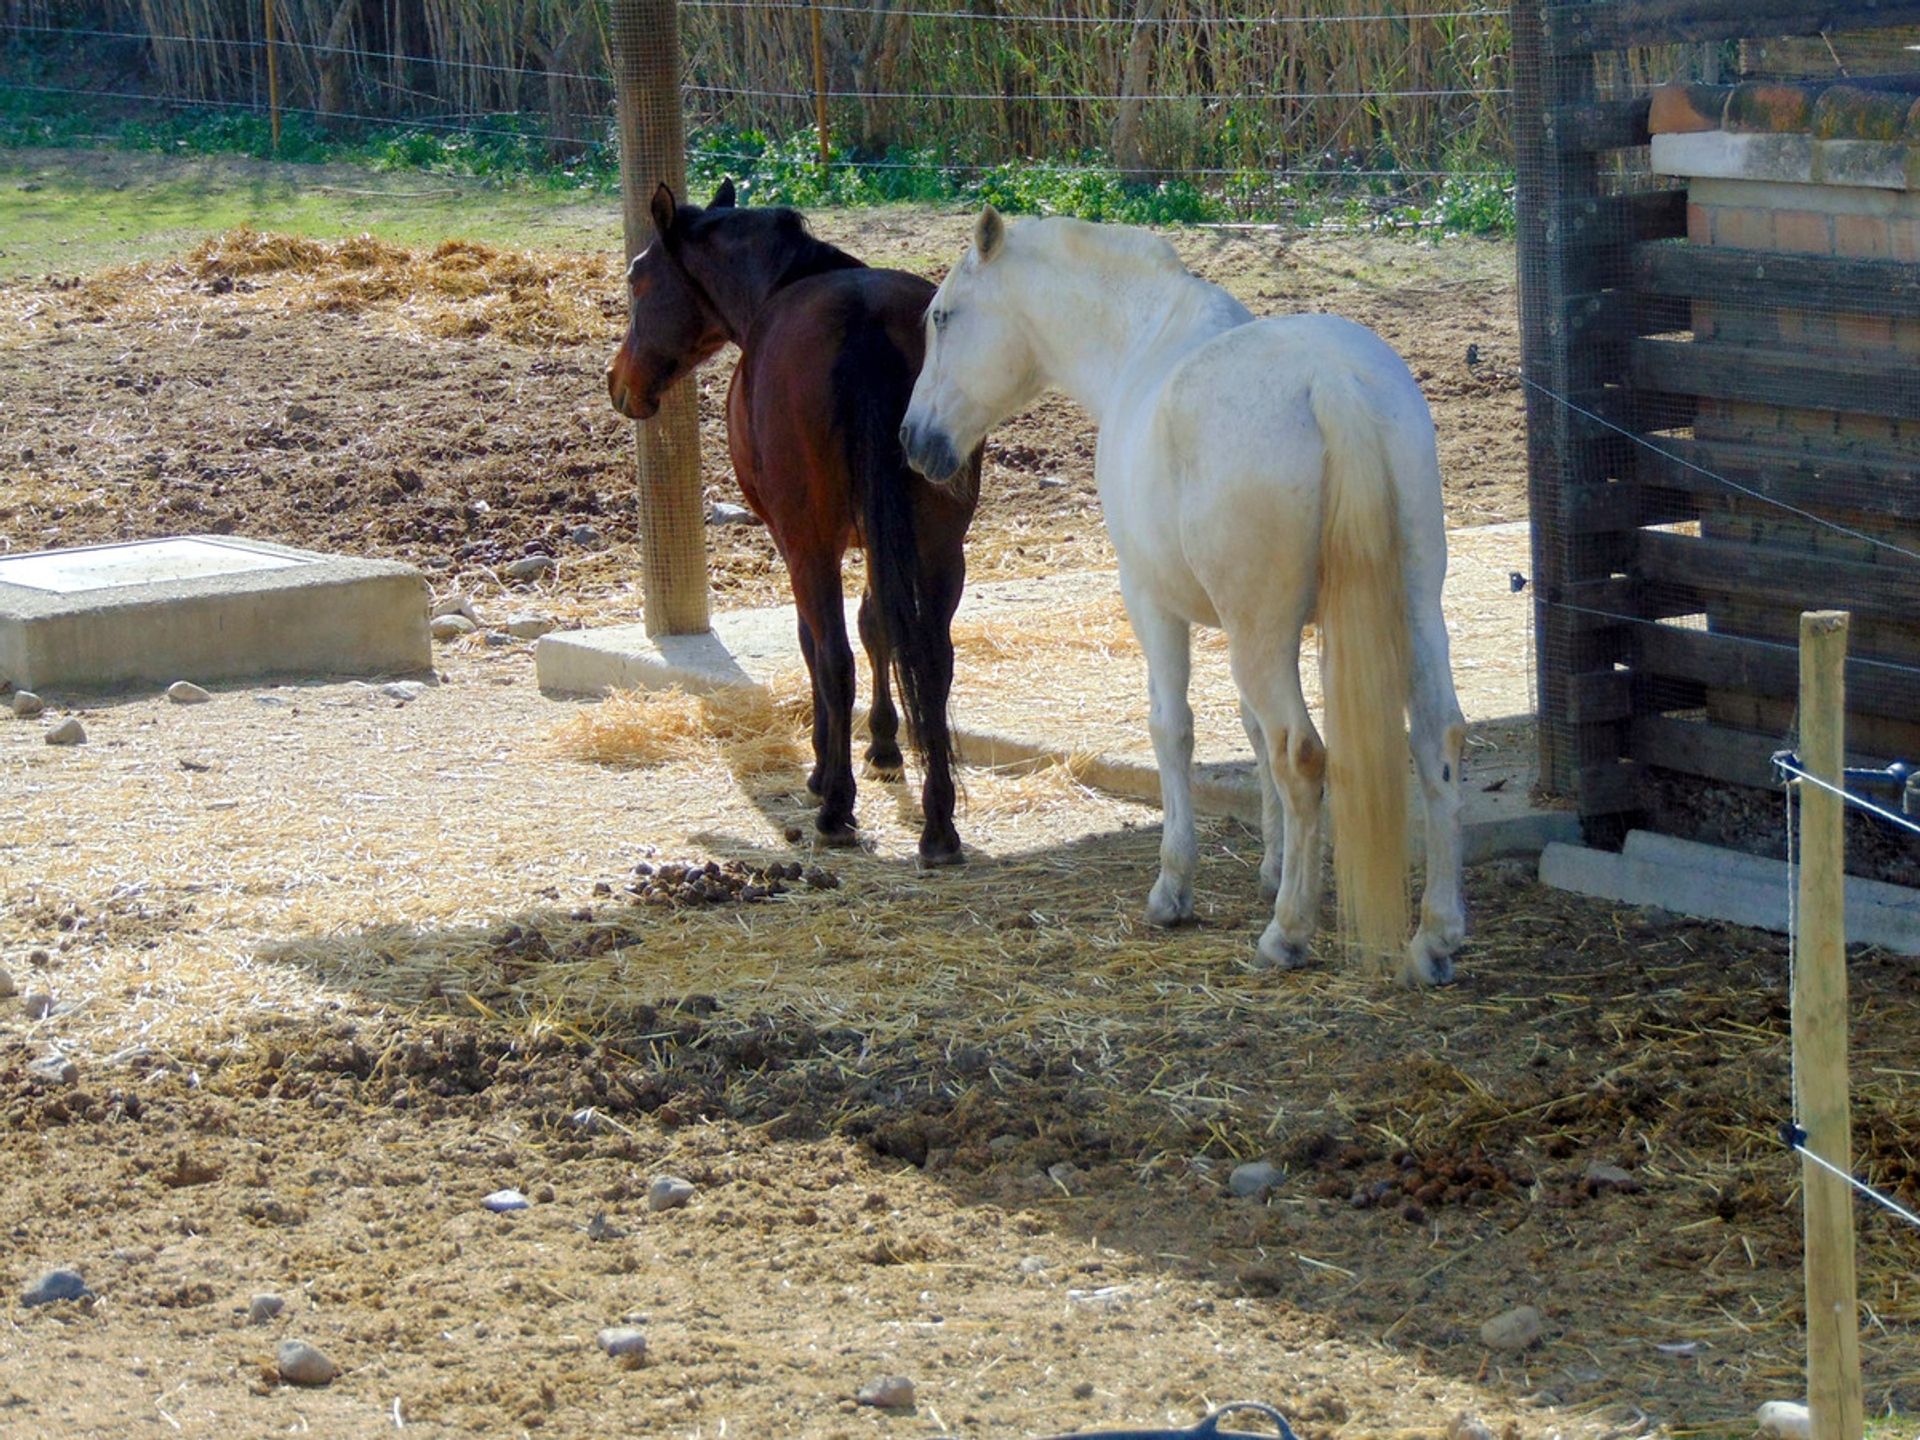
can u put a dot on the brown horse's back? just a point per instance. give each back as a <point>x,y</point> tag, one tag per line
<point>818,341</point>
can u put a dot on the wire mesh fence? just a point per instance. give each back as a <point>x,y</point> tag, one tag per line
<point>1252,108</point>
<point>1720,317</point>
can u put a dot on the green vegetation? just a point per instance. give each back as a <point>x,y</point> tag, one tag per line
<point>513,153</point>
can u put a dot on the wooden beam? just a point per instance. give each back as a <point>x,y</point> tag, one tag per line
<point>1766,667</point>
<point>1601,125</point>
<point>1696,565</point>
<point>1771,279</point>
<point>1620,24</point>
<point>1853,385</point>
<point>1854,481</point>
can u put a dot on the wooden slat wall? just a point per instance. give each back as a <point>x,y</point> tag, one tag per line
<point>1606,287</point>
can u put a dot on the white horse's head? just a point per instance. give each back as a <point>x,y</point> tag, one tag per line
<point>979,365</point>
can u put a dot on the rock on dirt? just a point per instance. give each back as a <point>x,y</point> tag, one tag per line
<point>26,704</point>
<point>724,513</point>
<point>264,1307</point>
<point>1253,1180</point>
<point>529,627</point>
<point>669,1192</point>
<point>1784,1420</point>
<point>623,1343</point>
<point>185,692</point>
<point>38,1004</point>
<point>889,1392</point>
<point>1515,1330</point>
<point>54,1069</point>
<point>529,567</point>
<point>67,732</point>
<point>56,1285</point>
<point>1599,1178</point>
<point>7,987</point>
<point>404,692</point>
<point>1468,1427</point>
<point>302,1364</point>
<point>501,1201</point>
<point>451,627</point>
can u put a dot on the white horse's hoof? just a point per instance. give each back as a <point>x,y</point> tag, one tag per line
<point>1169,903</point>
<point>1429,961</point>
<point>1276,952</point>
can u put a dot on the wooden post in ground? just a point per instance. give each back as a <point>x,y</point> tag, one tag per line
<point>273,77</point>
<point>1820,1035</point>
<point>819,84</point>
<point>645,46</point>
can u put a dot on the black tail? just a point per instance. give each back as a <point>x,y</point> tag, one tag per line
<point>873,381</point>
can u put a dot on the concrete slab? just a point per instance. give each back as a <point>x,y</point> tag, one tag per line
<point>1710,883</point>
<point>205,608</point>
<point>1018,703</point>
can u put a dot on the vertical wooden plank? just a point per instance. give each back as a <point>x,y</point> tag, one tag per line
<point>273,76</point>
<point>645,49</point>
<point>819,84</point>
<point>1820,1036</point>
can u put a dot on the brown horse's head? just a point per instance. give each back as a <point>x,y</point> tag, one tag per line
<point>672,327</point>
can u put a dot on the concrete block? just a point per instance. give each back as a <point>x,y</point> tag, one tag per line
<point>1721,155</point>
<point>204,608</point>
<point>1710,883</point>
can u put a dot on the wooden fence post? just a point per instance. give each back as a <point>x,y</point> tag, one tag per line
<point>819,84</point>
<point>273,77</point>
<point>1820,1035</point>
<point>645,50</point>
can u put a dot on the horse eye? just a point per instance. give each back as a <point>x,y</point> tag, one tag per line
<point>940,319</point>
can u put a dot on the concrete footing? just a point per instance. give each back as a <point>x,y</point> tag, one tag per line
<point>1709,883</point>
<point>204,608</point>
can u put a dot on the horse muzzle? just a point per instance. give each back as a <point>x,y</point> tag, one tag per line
<point>930,451</point>
<point>630,400</point>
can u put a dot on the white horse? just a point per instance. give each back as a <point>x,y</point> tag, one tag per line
<point>1254,474</point>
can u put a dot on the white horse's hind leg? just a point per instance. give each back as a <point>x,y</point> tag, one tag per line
<point>1266,666</point>
<point>1272,813</point>
<point>1167,641</point>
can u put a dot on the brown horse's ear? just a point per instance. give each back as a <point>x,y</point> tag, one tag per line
<point>663,208</point>
<point>723,197</point>
<point>989,234</point>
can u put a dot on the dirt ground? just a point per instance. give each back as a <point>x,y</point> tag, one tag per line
<point>333,967</point>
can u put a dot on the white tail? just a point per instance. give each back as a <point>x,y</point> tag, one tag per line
<point>1365,650</point>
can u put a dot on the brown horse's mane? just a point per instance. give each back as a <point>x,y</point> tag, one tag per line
<point>796,252</point>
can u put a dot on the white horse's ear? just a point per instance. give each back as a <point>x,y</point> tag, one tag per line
<point>989,234</point>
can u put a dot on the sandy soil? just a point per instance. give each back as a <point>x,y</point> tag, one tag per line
<point>332,968</point>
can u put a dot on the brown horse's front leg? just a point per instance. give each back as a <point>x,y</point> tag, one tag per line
<point>883,720</point>
<point>939,840</point>
<point>816,593</point>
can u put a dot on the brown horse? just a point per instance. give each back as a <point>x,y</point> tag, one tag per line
<point>829,351</point>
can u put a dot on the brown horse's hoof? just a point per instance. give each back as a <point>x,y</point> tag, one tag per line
<point>941,858</point>
<point>839,836</point>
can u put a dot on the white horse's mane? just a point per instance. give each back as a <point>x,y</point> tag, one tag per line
<point>1108,242</point>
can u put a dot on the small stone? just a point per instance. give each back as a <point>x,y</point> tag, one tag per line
<point>404,691</point>
<point>1084,1390</point>
<point>185,692</point>
<point>1610,1177</point>
<point>6,983</point>
<point>458,603</point>
<point>529,567</point>
<point>501,1201</point>
<point>889,1392</point>
<point>38,1004</point>
<point>302,1364</point>
<point>54,1069</point>
<point>56,1285</point>
<point>68,732</point>
<point>529,627</point>
<point>499,639</point>
<point>669,1192</point>
<point>587,538</point>
<point>1784,1420</point>
<point>1468,1427</point>
<point>624,1343</point>
<point>1515,1330</point>
<point>26,704</point>
<point>726,514</point>
<point>1255,1179</point>
<point>264,1307</point>
<point>450,627</point>
<point>1051,482</point>
<point>1032,1265</point>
